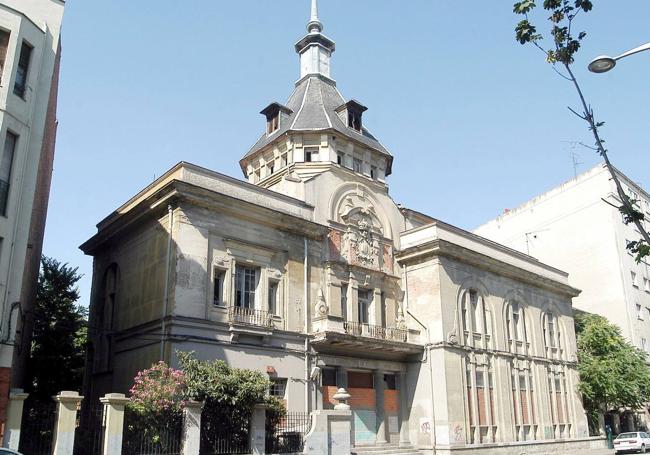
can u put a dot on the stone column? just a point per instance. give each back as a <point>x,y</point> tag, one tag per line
<point>192,428</point>
<point>66,422</point>
<point>17,399</point>
<point>113,422</point>
<point>258,430</point>
<point>403,410</point>
<point>379,400</point>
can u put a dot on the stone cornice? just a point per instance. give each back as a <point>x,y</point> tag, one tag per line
<point>438,247</point>
<point>177,192</point>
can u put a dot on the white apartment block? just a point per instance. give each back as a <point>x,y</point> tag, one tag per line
<point>29,67</point>
<point>578,228</point>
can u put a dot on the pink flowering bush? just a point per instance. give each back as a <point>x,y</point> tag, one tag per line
<point>158,390</point>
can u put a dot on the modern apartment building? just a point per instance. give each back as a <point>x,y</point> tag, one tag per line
<point>309,272</point>
<point>29,72</point>
<point>578,228</point>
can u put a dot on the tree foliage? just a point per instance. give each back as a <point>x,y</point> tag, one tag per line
<point>564,43</point>
<point>158,390</point>
<point>613,373</point>
<point>58,347</point>
<point>229,395</point>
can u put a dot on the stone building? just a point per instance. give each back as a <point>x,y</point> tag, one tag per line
<point>29,72</point>
<point>311,273</point>
<point>577,227</point>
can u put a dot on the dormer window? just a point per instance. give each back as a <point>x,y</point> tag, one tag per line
<point>354,120</point>
<point>275,113</point>
<point>273,124</point>
<point>351,113</point>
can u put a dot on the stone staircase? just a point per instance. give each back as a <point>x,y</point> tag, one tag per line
<point>385,449</point>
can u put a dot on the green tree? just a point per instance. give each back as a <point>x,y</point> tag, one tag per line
<point>564,43</point>
<point>59,339</point>
<point>229,395</point>
<point>613,373</point>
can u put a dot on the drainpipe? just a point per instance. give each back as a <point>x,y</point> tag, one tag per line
<point>170,217</point>
<point>306,304</point>
<point>427,358</point>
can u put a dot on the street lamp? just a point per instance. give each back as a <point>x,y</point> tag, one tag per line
<point>604,63</point>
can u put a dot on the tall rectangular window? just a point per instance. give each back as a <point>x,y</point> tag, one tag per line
<point>635,283</point>
<point>4,44</point>
<point>246,285</point>
<point>365,297</point>
<point>373,172</point>
<point>219,276</point>
<point>6,163</point>
<point>273,297</point>
<point>340,158</point>
<point>639,313</point>
<point>311,154</point>
<point>357,165</point>
<point>344,301</point>
<point>22,72</point>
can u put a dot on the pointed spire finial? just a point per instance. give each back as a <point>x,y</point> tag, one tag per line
<point>315,25</point>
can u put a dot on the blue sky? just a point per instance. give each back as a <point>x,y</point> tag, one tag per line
<point>477,123</point>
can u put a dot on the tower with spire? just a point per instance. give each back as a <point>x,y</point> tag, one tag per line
<point>317,130</point>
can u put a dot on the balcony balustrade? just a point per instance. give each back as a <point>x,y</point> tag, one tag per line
<point>249,316</point>
<point>375,331</point>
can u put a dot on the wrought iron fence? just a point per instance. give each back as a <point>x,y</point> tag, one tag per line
<point>287,435</point>
<point>89,435</point>
<point>375,331</point>
<point>37,427</point>
<point>219,440</point>
<point>160,435</point>
<point>250,316</point>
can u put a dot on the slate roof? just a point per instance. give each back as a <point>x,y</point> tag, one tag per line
<point>314,102</point>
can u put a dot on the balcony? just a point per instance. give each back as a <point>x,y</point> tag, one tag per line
<point>375,331</point>
<point>249,321</point>
<point>332,335</point>
<point>248,316</point>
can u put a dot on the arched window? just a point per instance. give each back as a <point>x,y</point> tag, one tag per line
<point>105,321</point>
<point>477,322</point>
<point>552,336</point>
<point>516,328</point>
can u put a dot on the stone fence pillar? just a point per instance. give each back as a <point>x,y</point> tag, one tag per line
<point>17,399</point>
<point>258,430</point>
<point>331,431</point>
<point>113,422</point>
<point>66,422</point>
<point>192,428</point>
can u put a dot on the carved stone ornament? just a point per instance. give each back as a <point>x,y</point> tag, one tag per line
<point>478,359</point>
<point>321,306</point>
<point>520,364</point>
<point>363,226</point>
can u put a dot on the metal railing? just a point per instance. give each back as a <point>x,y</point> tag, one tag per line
<point>375,331</point>
<point>37,428</point>
<point>250,316</point>
<point>287,435</point>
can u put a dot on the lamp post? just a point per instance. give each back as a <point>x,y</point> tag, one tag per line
<point>604,63</point>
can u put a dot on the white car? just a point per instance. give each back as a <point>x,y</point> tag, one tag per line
<point>632,442</point>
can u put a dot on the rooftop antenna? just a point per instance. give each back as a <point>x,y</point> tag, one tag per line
<point>573,145</point>
<point>534,234</point>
